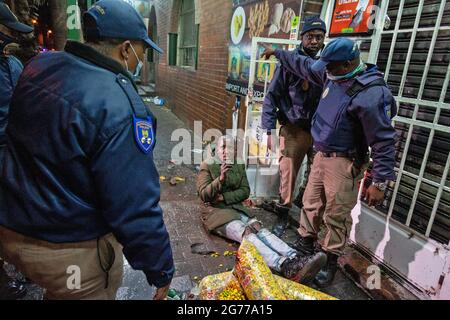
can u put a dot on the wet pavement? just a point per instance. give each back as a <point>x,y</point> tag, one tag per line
<point>182,217</point>
<point>181,211</point>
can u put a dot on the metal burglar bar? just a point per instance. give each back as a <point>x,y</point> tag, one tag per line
<point>414,122</point>
<point>436,118</point>
<point>410,232</point>
<point>411,47</point>
<point>438,197</point>
<point>394,38</point>
<point>446,170</point>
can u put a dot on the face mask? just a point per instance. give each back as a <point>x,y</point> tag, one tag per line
<point>362,66</point>
<point>139,67</point>
<point>5,40</point>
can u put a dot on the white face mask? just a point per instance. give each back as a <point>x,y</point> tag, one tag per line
<point>139,66</point>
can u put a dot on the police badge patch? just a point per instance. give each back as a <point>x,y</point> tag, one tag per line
<point>388,110</point>
<point>144,134</point>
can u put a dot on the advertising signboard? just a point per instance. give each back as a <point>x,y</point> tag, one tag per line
<point>257,18</point>
<point>353,17</point>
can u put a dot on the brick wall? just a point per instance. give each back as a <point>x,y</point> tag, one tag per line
<point>200,94</point>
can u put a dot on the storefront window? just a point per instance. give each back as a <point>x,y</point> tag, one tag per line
<point>188,35</point>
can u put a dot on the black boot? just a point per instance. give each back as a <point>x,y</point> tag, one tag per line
<point>326,276</point>
<point>303,269</point>
<point>304,246</point>
<point>283,220</point>
<point>268,206</point>
<point>10,289</point>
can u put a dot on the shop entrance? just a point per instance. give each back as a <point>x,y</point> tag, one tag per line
<point>262,165</point>
<point>410,233</point>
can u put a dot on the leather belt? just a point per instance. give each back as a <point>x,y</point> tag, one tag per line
<point>338,155</point>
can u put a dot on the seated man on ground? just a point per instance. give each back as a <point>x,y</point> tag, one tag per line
<point>222,186</point>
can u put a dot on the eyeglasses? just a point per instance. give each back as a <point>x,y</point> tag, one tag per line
<point>318,37</point>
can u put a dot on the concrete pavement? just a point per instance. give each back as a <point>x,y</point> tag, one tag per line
<point>182,217</point>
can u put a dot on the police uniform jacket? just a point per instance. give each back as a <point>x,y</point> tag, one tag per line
<point>290,98</point>
<point>350,123</point>
<point>10,70</point>
<point>79,162</point>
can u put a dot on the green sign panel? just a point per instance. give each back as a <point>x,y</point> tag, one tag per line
<point>73,20</point>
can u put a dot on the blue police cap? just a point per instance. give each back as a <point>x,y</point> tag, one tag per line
<point>117,19</point>
<point>9,20</point>
<point>341,49</point>
<point>314,23</point>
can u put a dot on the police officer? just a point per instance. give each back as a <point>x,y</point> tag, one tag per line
<point>293,102</point>
<point>10,66</point>
<point>79,180</point>
<point>10,70</point>
<point>354,113</point>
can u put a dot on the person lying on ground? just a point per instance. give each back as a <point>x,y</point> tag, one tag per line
<point>222,186</point>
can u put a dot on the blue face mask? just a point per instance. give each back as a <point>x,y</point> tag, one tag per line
<point>362,67</point>
<point>140,65</point>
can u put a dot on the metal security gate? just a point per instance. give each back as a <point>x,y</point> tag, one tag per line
<point>424,117</point>
<point>410,232</point>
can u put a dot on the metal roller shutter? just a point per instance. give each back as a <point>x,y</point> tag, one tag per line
<point>416,59</point>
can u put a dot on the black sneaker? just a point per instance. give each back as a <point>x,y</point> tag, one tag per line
<point>281,210</point>
<point>304,246</point>
<point>303,269</point>
<point>268,206</point>
<point>326,276</point>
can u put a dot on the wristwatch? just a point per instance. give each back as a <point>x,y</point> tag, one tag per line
<point>382,186</point>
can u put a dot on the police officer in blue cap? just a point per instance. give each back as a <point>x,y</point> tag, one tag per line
<point>10,66</point>
<point>79,181</point>
<point>354,113</point>
<point>293,101</point>
<point>10,70</point>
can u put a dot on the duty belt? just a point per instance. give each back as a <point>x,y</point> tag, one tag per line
<point>358,162</point>
<point>338,155</point>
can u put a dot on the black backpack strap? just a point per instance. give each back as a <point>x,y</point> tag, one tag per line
<point>138,106</point>
<point>357,87</point>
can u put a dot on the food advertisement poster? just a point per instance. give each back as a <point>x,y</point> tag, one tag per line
<point>256,18</point>
<point>352,17</point>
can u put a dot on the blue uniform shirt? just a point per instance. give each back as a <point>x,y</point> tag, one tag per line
<point>78,166</point>
<point>344,124</point>
<point>290,99</point>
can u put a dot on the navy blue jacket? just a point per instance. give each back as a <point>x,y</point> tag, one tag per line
<point>73,170</point>
<point>344,124</point>
<point>290,98</point>
<point>10,70</point>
